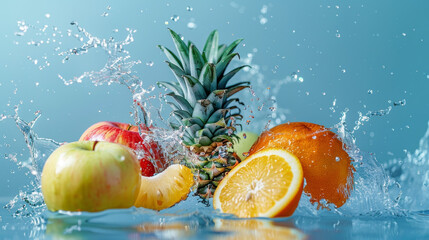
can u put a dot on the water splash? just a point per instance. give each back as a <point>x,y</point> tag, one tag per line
<point>29,202</point>
<point>118,69</point>
<point>412,173</point>
<point>39,148</point>
<point>262,110</point>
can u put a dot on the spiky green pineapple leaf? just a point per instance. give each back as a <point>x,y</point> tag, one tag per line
<point>231,48</point>
<point>217,98</point>
<point>203,110</point>
<point>221,50</point>
<point>196,61</point>
<point>191,121</point>
<point>183,103</point>
<point>196,87</point>
<point>172,87</point>
<point>218,114</point>
<point>182,114</point>
<point>221,138</point>
<point>175,126</point>
<point>213,127</point>
<point>182,49</point>
<point>211,47</point>
<point>191,130</point>
<point>171,56</point>
<point>231,100</point>
<point>178,73</point>
<point>208,77</point>
<point>204,132</point>
<point>234,90</point>
<point>190,94</point>
<point>221,131</point>
<point>244,84</point>
<point>225,79</point>
<point>173,105</point>
<point>223,63</point>
<point>188,141</point>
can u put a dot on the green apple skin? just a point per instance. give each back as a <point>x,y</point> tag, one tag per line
<point>91,176</point>
<point>246,140</point>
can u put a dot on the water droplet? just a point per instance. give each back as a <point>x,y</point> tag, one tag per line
<point>264,9</point>
<point>166,22</point>
<point>175,18</point>
<point>337,35</point>
<point>191,25</point>
<point>400,103</point>
<point>150,63</point>
<point>47,15</point>
<point>314,137</point>
<point>337,159</point>
<point>404,34</point>
<point>189,9</point>
<point>263,20</point>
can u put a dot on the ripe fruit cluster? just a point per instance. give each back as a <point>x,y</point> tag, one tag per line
<point>101,171</point>
<point>268,183</point>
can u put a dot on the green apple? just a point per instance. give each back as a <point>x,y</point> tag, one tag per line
<point>245,142</point>
<point>91,176</point>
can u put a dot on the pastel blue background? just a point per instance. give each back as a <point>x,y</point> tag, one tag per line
<point>382,46</point>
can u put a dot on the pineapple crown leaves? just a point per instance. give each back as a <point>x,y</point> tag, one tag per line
<point>202,93</point>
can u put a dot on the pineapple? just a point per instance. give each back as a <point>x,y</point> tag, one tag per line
<point>204,107</point>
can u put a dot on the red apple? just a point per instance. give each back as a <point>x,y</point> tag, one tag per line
<point>128,135</point>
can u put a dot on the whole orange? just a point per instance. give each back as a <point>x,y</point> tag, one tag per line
<point>328,169</point>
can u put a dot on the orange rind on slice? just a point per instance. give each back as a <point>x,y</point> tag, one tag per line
<point>165,189</point>
<point>267,184</point>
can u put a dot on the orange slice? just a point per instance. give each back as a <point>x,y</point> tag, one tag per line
<point>267,184</point>
<point>165,189</point>
<point>328,169</point>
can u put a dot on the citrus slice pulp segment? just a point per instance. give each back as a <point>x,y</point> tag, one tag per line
<point>267,184</point>
<point>165,189</point>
